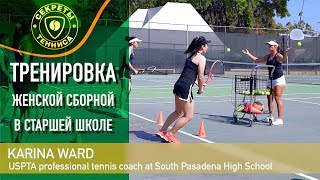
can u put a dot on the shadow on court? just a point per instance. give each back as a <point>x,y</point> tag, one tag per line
<point>146,136</point>
<point>230,120</point>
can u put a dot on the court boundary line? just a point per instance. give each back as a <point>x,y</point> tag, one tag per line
<point>180,131</point>
<point>145,98</point>
<point>306,102</point>
<point>210,142</point>
<point>167,102</point>
<point>222,101</point>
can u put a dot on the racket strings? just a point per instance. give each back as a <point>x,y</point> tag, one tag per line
<point>217,69</point>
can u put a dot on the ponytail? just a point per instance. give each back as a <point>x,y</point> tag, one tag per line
<point>192,49</point>
<point>278,49</point>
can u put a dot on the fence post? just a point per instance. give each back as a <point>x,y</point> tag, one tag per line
<point>187,35</point>
<point>148,43</point>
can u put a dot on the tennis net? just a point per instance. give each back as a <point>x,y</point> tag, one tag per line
<point>301,73</point>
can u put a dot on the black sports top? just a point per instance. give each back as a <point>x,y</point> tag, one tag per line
<point>189,73</point>
<point>278,72</point>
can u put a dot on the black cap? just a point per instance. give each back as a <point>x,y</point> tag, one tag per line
<point>202,41</point>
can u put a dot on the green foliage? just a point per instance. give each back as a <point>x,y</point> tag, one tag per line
<point>18,10</point>
<point>241,13</point>
<point>307,28</point>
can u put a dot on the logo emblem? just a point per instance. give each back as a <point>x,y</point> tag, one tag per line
<point>54,26</point>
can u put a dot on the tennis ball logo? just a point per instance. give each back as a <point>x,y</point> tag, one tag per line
<point>228,50</point>
<point>54,25</point>
<point>299,43</point>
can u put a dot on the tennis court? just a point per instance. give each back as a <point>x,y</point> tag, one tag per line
<point>153,93</point>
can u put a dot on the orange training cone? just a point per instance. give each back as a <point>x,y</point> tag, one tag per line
<point>251,109</point>
<point>201,132</point>
<point>160,119</point>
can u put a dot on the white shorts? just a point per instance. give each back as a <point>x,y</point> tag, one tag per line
<point>276,82</point>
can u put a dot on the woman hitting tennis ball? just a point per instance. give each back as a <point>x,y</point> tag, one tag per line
<point>278,80</point>
<point>193,72</point>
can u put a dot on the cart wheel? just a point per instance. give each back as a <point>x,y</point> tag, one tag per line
<point>270,122</point>
<point>250,123</point>
<point>235,120</point>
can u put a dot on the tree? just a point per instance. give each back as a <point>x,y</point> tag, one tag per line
<point>116,12</point>
<point>306,28</point>
<point>240,13</point>
<point>17,10</point>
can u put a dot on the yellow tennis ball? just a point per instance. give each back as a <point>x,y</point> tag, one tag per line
<point>228,49</point>
<point>299,43</point>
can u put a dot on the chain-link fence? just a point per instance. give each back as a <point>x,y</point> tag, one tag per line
<point>164,44</point>
<point>164,47</point>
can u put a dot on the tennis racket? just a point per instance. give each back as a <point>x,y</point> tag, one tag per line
<point>147,70</point>
<point>216,71</point>
<point>296,34</point>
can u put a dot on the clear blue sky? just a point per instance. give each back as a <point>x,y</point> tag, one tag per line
<point>310,14</point>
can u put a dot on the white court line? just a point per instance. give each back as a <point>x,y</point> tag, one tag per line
<point>167,102</point>
<point>171,102</point>
<point>173,97</point>
<point>232,95</point>
<point>208,141</point>
<point>306,102</point>
<point>301,98</point>
<point>180,131</point>
<point>170,87</point>
<point>165,82</point>
<point>302,94</point>
<point>306,176</point>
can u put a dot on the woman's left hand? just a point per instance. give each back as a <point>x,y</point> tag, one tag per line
<point>288,49</point>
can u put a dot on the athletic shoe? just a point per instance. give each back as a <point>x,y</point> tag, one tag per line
<point>278,122</point>
<point>172,138</point>
<point>161,134</point>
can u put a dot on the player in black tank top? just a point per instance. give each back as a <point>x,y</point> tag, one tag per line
<point>278,80</point>
<point>184,106</point>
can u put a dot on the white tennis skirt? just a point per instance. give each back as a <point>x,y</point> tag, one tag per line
<point>276,82</point>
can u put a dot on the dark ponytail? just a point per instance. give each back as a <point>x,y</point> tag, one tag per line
<point>127,38</point>
<point>278,49</point>
<point>192,49</point>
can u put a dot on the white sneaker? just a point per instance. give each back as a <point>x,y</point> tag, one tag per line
<point>278,122</point>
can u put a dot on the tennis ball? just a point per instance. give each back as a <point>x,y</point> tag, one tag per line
<point>299,43</point>
<point>228,50</point>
